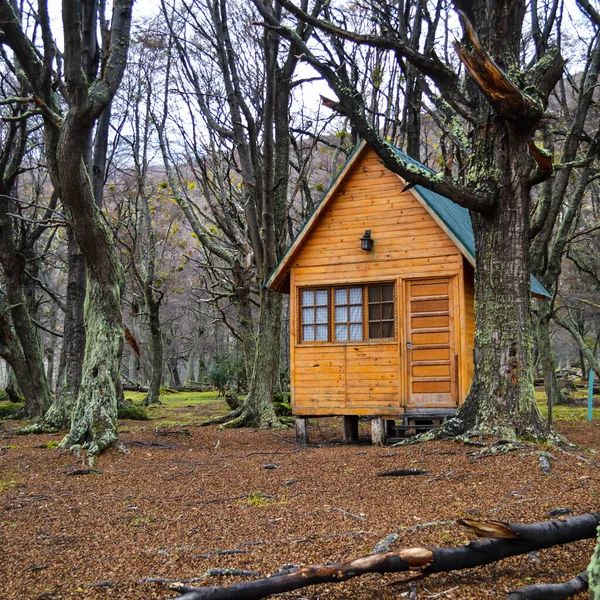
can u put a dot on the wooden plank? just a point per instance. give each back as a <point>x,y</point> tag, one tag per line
<point>353,410</point>
<point>431,387</point>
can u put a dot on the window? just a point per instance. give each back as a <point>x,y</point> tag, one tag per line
<point>381,311</point>
<point>315,315</point>
<point>347,314</point>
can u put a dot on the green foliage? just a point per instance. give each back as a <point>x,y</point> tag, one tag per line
<point>51,445</point>
<point>9,409</point>
<point>6,484</point>
<point>282,409</point>
<point>134,413</point>
<point>255,499</point>
<point>228,372</point>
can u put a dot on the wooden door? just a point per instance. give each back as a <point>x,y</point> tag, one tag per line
<point>430,343</point>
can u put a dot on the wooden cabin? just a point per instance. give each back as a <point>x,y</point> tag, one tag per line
<point>381,285</point>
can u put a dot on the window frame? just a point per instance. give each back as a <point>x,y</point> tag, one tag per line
<point>331,306</point>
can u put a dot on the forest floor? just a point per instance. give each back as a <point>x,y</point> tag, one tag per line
<point>187,499</point>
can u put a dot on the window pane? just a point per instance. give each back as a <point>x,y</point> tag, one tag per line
<point>321,333</point>
<point>341,333</point>
<point>387,329</point>
<point>375,330</point>
<point>308,316</point>
<point>387,311</point>
<point>355,295</point>
<point>374,312</point>
<point>341,314</point>
<point>308,333</point>
<point>356,332</point>
<point>321,314</point>
<point>308,298</point>
<point>356,314</point>
<point>321,297</point>
<point>374,293</point>
<point>387,293</point>
<point>341,296</point>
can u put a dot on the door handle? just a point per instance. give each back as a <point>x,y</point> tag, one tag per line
<point>409,344</point>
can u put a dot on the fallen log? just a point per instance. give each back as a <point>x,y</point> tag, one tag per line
<point>551,591</point>
<point>524,539</point>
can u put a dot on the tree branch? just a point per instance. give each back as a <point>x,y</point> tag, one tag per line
<point>427,560</point>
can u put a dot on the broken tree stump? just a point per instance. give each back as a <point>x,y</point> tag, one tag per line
<point>378,431</point>
<point>302,430</point>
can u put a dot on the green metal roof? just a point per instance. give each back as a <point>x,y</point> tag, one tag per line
<point>456,218</point>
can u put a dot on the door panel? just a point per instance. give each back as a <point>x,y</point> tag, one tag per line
<point>430,342</point>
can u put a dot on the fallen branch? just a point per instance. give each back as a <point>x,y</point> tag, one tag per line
<point>551,591</point>
<point>427,560</point>
<point>402,473</point>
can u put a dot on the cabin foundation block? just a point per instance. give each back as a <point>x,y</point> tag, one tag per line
<point>302,430</point>
<point>378,431</point>
<point>350,429</point>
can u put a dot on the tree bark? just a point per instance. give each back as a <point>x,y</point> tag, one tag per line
<point>73,347</point>
<point>545,351</point>
<point>594,572</point>
<point>257,409</point>
<point>156,345</point>
<point>93,421</point>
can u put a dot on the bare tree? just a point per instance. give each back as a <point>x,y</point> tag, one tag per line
<point>241,84</point>
<point>71,102</point>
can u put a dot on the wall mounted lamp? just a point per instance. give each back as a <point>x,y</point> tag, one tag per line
<point>366,242</point>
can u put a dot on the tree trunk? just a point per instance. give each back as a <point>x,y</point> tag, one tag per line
<point>73,346</point>
<point>501,401</point>
<point>152,397</point>
<point>12,387</point>
<point>93,423</point>
<point>546,353</point>
<point>257,410</point>
<point>594,572</point>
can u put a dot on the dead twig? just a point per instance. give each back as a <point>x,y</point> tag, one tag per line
<point>349,514</point>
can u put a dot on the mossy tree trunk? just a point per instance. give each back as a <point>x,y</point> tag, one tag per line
<point>68,125</point>
<point>24,350</point>
<point>93,420</point>
<point>594,572</point>
<point>257,409</point>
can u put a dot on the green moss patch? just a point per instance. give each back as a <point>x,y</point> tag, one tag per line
<point>9,409</point>
<point>134,413</point>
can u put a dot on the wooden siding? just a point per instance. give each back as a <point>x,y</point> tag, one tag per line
<point>364,378</point>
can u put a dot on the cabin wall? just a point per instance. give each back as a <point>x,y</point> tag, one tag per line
<point>366,377</point>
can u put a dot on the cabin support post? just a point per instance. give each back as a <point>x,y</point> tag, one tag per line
<point>378,431</point>
<point>302,430</point>
<point>350,429</point>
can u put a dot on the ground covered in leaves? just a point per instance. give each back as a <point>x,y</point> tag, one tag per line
<point>187,499</point>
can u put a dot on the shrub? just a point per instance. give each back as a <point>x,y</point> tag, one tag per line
<point>134,413</point>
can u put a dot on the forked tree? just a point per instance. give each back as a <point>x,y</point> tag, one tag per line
<point>71,102</point>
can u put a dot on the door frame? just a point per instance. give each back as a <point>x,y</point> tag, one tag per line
<point>456,318</point>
